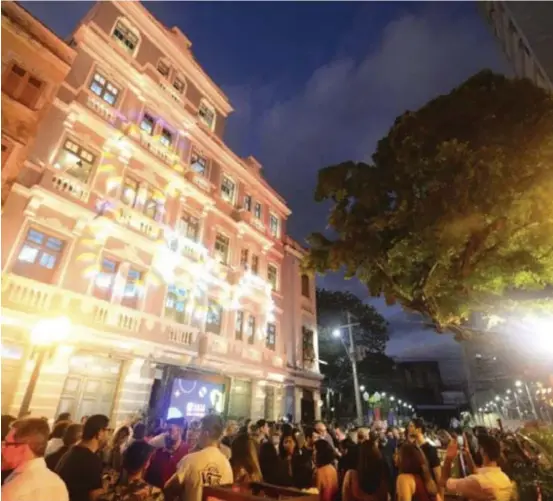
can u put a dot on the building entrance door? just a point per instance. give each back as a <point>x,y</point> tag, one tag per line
<point>90,386</point>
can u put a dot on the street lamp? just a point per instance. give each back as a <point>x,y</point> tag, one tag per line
<point>362,387</point>
<point>337,333</point>
<point>519,384</point>
<point>45,336</point>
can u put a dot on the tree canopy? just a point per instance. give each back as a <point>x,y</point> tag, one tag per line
<point>454,216</point>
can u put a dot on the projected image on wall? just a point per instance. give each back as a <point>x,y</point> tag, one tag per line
<point>194,399</point>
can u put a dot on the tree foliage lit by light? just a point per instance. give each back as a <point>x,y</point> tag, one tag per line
<point>455,214</point>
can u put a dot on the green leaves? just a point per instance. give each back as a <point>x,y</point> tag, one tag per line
<point>456,212</point>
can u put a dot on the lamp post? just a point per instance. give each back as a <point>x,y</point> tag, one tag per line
<point>519,384</point>
<point>353,360</point>
<point>45,336</point>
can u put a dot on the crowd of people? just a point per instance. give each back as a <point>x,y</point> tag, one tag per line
<point>87,461</point>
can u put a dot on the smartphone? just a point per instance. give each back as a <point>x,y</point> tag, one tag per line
<point>460,441</point>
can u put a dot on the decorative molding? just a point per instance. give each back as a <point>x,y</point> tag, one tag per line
<point>32,206</point>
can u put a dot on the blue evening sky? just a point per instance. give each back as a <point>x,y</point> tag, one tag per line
<point>316,83</point>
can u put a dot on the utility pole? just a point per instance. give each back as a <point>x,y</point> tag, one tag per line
<point>353,360</point>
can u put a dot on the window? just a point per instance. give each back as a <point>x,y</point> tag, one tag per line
<point>227,189</point>
<point>103,282</point>
<point>39,255</point>
<point>207,114</point>
<point>104,89</point>
<point>175,304</point>
<point>153,205</point>
<point>197,309</point>
<point>22,86</point>
<point>274,225</point>
<point>248,203</point>
<point>147,124</point>
<point>163,68</point>
<point>166,138</point>
<point>305,286</point>
<point>255,265</point>
<point>272,276</point>
<point>221,248</point>
<point>239,325</point>
<point>132,288</point>
<point>257,210</point>
<point>244,258</point>
<point>125,37</point>
<point>250,329</point>
<point>270,340</point>
<point>179,85</point>
<point>129,192</point>
<point>74,160</point>
<point>214,317</point>
<point>198,164</point>
<point>189,227</point>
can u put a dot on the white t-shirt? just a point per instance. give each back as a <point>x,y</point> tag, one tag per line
<point>490,479</point>
<point>206,467</point>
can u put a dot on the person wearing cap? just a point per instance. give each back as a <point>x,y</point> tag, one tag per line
<point>165,459</point>
<point>81,467</point>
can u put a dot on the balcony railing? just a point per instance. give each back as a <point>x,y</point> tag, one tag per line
<point>101,108</point>
<point>68,185</point>
<point>183,335</point>
<point>26,294</point>
<point>154,146</point>
<point>199,180</point>
<point>138,222</point>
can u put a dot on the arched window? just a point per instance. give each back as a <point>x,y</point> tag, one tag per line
<point>305,285</point>
<point>206,112</point>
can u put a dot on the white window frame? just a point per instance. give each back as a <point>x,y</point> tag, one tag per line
<point>206,104</point>
<point>107,82</point>
<point>215,252</point>
<point>199,154</point>
<point>232,198</point>
<point>97,158</point>
<point>257,204</point>
<point>180,78</point>
<point>130,27</point>
<point>276,234</point>
<point>277,276</point>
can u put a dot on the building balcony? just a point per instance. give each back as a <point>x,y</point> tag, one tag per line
<point>65,185</point>
<point>99,107</point>
<point>200,180</point>
<point>131,218</point>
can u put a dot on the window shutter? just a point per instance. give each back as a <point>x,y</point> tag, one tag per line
<point>14,80</point>
<point>31,92</point>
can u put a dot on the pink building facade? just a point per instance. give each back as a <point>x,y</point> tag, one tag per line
<point>166,251</point>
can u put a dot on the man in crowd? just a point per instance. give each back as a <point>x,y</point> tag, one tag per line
<point>81,467</point>
<point>416,432</point>
<point>23,452</point>
<point>73,433</point>
<point>208,466</point>
<point>311,436</point>
<point>488,482</point>
<point>165,459</point>
<point>263,430</point>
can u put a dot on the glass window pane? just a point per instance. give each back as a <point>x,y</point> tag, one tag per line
<point>96,88</point>
<point>54,243</point>
<point>47,260</point>
<point>35,236</point>
<point>28,254</point>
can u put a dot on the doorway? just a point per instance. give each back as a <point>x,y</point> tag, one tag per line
<point>90,386</point>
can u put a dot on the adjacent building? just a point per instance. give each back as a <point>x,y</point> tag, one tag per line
<point>34,63</point>
<point>525,31</point>
<point>167,252</point>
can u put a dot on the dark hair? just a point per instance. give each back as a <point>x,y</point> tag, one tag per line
<point>139,431</point>
<point>136,456</point>
<point>418,423</point>
<point>261,423</point>
<point>286,429</point>
<point>308,432</point>
<point>371,469</point>
<point>268,461</point>
<point>94,425</point>
<point>64,416</point>
<point>59,429</point>
<point>490,446</point>
<point>34,432</point>
<point>7,422</point>
<point>281,451</point>
<point>72,434</point>
<point>413,461</point>
<point>244,456</point>
<point>213,425</point>
<point>324,453</point>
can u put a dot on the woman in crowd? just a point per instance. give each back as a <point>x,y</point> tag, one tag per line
<point>113,457</point>
<point>136,460</point>
<point>369,480</point>
<point>326,476</point>
<point>73,433</point>
<point>414,481</point>
<point>244,460</point>
<point>56,437</point>
<point>295,470</point>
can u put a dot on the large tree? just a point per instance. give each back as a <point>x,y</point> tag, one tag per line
<point>454,216</point>
<point>369,334</point>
